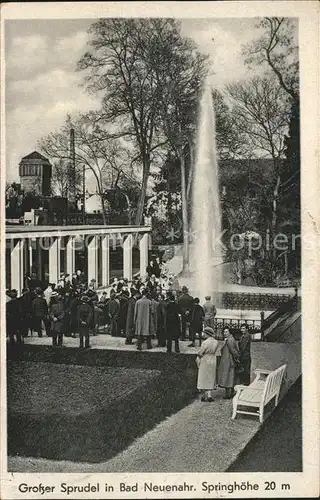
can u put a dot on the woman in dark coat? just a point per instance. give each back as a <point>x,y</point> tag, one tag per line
<point>173,324</point>
<point>229,360</point>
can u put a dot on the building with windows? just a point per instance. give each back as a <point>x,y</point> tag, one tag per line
<point>35,174</point>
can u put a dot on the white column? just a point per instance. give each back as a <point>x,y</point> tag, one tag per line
<point>70,256</point>
<point>127,257</point>
<point>54,260</point>
<point>93,259</point>
<point>30,254</point>
<point>105,260</point>
<point>38,267</point>
<point>144,248</point>
<point>17,268</point>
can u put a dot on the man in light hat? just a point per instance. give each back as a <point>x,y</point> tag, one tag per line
<point>207,364</point>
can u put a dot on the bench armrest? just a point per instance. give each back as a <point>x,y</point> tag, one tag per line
<point>258,371</point>
<point>243,387</point>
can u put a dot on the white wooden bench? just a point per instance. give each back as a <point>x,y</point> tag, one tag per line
<point>259,393</point>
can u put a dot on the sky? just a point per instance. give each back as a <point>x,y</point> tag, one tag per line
<point>43,86</point>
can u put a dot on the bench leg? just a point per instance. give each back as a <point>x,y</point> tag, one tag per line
<point>261,414</point>
<point>276,400</point>
<point>234,405</point>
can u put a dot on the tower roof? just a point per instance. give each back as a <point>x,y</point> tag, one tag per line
<point>36,156</point>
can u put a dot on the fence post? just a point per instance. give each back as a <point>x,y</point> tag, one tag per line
<point>296,297</point>
<point>262,324</point>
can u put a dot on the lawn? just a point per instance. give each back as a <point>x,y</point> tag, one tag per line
<point>90,413</point>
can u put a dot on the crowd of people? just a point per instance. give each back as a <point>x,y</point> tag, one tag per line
<point>143,311</point>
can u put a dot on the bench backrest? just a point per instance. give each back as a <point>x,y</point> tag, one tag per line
<point>273,384</point>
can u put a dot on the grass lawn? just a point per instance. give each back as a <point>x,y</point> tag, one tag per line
<point>45,388</point>
<point>80,413</point>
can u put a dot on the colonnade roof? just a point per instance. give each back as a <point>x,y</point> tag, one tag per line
<point>20,232</point>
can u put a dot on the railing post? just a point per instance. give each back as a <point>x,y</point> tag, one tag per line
<point>262,324</point>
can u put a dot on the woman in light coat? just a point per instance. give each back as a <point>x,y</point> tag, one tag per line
<point>228,363</point>
<point>207,362</point>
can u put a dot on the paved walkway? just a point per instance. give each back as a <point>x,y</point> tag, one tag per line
<point>199,438</point>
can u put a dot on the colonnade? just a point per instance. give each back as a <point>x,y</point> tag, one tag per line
<point>26,251</point>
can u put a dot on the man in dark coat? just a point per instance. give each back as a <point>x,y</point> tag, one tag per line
<point>67,302</point>
<point>57,316</point>
<point>25,311</point>
<point>173,328</point>
<point>73,325</point>
<point>113,308</point>
<point>39,312</point>
<point>196,323</point>
<point>186,305</point>
<point>161,321</point>
<point>13,317</point>
<point>123,313</point>
<point>245,355</point>
<point>130,316</point>
<point>84,320</point>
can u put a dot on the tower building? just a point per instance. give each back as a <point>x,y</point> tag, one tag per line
<point>35,174</point>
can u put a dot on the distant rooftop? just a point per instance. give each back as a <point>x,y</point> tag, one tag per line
<point>35,156</point>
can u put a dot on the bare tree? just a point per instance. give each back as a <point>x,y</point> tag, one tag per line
<point>261,111</point>
<point>277,50</point>
<point>106,158</point>
<point>134,64</point>
<point>62,178</point>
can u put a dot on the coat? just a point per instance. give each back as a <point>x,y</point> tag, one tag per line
<point>154,316</point>
<point>172,321</point>
<point>245,348</point>
<point>142,317</point>
<point>207,364</point>
<point>39,307</point>
<point>113,308</point>
<point>130,317</point>
<point>84,318</point>
<point>186,303</point>
<point>209,313</point>
<point>229,358</point>
<point>13,316</point>
<point>197,316</point>
<point>57,311</point>
<point>161,317</point>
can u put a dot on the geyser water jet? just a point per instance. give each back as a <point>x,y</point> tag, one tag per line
<point>206,255</point>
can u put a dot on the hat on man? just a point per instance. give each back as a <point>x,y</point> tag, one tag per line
<point>84,298</point>
<point>209,331</point>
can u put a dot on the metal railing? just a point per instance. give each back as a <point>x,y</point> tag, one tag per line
<point>253,301</point>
